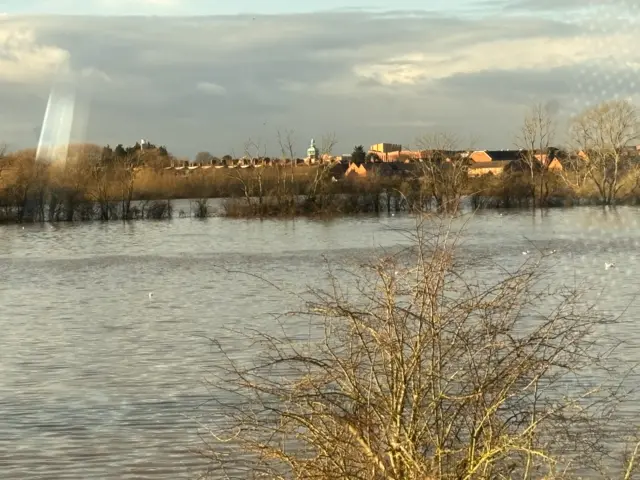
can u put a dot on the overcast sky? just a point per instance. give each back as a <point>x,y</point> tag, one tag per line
<point>199,78</point>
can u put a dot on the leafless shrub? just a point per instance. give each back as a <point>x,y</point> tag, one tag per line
<point>201,208</point>
<point>419,372</point>
<point>160,209</point>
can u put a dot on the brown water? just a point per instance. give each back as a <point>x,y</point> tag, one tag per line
<point>98,380</point>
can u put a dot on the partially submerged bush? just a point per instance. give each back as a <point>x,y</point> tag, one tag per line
<point>160,209</point>
<point>201,208</point>
<point>423,372</point>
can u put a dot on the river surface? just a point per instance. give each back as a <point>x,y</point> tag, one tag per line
<point>100,380</point>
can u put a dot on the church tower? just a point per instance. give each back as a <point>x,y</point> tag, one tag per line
<point>312,152</point>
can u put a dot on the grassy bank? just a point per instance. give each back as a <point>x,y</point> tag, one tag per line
<point>86,189</point>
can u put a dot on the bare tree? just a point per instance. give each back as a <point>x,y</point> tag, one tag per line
<point>418,372</point>
<point>124,172</point>
<point>535,140</point>
<point>575,172</point>
<point>285,190</point>
<point>254,150</point>
<point>252,183</point>
<point>287,145</point>
<point>28,186</point>
<point>321,174</point>
<point>602,134</point>
<point>327,144</point>
<point>4,159</point>
<point>70,187</point>
<point>444,169</point>
<point>204,158</point>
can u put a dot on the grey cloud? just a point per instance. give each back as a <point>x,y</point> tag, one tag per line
<point>513,86</point>
<point>155,64</point>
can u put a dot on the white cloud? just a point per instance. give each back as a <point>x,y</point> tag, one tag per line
<point>24,59</point>
<point>211,88</point>
<point>539,53</point>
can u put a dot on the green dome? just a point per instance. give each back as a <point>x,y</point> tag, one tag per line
<point>312,151</point>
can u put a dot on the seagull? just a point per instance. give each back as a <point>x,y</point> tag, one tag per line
<point>150,295</point>
<point>607,265</point>
<point>526,253</point>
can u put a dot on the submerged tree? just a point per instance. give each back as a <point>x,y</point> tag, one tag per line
<point>444,169</point>
<point>535,140</point>
<point>602,133</point>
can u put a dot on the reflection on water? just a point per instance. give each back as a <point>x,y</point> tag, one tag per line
<point>98,380</point>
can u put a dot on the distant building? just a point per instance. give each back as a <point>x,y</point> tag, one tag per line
<point>313,154</point>
<point>495,167</point>
<point>496,162</point>
<point>483,156</point>
<point>386,169</point>
<point>384,150</point>
<point>385,147</point>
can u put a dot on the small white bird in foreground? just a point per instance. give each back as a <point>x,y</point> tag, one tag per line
<point>526,253</point>
<point>607,266</point>
<point>150,295</point>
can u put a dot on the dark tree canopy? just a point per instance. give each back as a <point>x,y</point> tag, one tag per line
<point>359,155</point>
<point>372,157</point>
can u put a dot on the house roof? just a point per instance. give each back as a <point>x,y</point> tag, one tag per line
<point>447,153</point>
<point>338,168</point>
<point>504,155</point>
<point>494,164</point>
<point>391,167</point>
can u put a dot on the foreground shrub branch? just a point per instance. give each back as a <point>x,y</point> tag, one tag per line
<point>423,372</point>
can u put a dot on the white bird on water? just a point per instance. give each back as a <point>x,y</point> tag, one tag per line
<point>526,252</point>
<point>150,295</point>
<point>607,265</point>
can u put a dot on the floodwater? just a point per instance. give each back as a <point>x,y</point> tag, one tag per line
<point>98,379</point>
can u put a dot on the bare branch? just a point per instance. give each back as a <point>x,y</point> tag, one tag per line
<point>535,139</point>
<point>602,134</point>
<point>417,370</point>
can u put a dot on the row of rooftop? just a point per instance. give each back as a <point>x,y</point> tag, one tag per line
<point>481,161</point>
